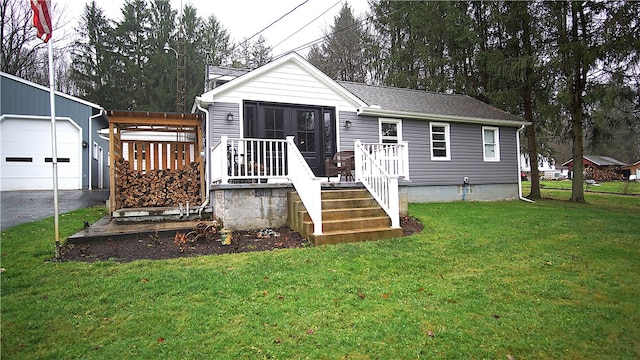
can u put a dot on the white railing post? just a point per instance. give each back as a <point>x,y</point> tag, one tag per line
<point>306,184</point>
<point>373,175</point>
<point>223,159</point>
<point>404,159</point>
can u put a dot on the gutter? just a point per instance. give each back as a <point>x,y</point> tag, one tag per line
<point>519,171</point>
<point>207,155</point>
<point>377,111</point>
<point>90,145</point>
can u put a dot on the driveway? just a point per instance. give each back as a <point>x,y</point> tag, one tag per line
<point>18,207</point>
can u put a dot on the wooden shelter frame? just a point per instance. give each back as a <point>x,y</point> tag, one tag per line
<point>149,154</point>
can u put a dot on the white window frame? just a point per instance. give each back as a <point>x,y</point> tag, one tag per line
<point>398,122</point>
<point>447,140</point>
<point>95,150</point>
<point>496,144</point>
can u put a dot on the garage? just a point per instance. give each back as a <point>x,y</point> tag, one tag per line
<point>25,147</point>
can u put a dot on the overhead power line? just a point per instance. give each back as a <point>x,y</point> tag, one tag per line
<point>280,18</point>
<point>336,32</point>
<point>307,24</point>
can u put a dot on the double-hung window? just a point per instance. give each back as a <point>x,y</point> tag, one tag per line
<point>440,149</point>
<point>390,131</point>
<point>491,143</point>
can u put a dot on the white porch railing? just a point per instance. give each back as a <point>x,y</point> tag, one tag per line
<point>379,173</point>
<point>306,183</point>
<point>249,160</point>
<point>265,160</point>
<point>393,158</point>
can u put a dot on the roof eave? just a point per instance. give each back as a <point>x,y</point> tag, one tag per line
<point>369,111</point>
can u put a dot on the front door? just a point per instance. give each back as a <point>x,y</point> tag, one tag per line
<point>310,126</point>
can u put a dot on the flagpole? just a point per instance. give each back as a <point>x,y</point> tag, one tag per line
<point>54,152</point>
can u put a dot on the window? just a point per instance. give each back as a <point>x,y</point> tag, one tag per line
<point>390,131</point>
<point>440,142</point>
<point>491,143</point>
<point>95,150</point>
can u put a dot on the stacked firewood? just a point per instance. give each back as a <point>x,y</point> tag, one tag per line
<point>156,188</point>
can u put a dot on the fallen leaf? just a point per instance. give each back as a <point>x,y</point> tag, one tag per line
<point>160,340</point>
<point>144,280</point>
<point>386,296</point>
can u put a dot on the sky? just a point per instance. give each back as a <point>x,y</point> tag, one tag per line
<point>244,18</point>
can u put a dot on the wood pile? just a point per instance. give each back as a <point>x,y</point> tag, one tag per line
<point>157,188</point>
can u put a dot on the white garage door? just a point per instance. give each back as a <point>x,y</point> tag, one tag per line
<point>25,148</point>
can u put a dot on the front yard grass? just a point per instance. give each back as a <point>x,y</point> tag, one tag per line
<point>483,280</point>
<point>611,187</point>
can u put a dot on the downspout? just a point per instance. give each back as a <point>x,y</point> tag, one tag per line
<point>207,156</point>
<point>519,167</point>
<point>90,145</point>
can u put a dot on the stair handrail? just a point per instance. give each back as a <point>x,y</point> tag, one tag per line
<point>382,185</point>
<point>306,184</point>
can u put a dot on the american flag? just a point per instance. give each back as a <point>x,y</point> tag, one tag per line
<point>42,18</point>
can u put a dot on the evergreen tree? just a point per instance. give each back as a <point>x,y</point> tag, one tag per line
<point>132,49</point>
<point>344,54</point>
<point>92,59</point>
<point>161,68</point>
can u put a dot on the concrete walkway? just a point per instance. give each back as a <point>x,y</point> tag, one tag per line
<point>18,207</point>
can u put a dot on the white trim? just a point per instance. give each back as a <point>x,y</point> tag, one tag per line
<point>373,111</point>
<point>496,144</point>
<point>38,117</point>
<point>447,139</point>
<point>44,88</point>
<point>398,123</point>
<point>207,98</point>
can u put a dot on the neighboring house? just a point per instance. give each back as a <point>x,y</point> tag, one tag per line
<point>546,167</point>
<point>25,139</point>
<point>632,171</point>
<point>438,147</point>
<point>601,168</point>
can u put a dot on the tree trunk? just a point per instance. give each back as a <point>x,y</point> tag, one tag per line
<point>577,190</point>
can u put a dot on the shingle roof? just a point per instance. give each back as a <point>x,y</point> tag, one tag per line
<point>604,160</point>
<point>599,161</point>
<point>425,102</point>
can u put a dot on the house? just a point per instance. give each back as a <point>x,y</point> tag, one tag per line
<point>272,129</point>
<point>25,139</point>
<point>632,171</point>
<point>547,167</point>
<point>599,168</point>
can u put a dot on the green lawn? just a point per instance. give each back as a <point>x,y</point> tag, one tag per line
<point>614,187</point>
<point>550,280</point>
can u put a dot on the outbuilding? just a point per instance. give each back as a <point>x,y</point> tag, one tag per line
<point>25,139</point>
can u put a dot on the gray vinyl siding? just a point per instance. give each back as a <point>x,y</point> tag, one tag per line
<point>17,98</point>
<point>219,124</point>
<point>362,128</point>
<point>466,156</point>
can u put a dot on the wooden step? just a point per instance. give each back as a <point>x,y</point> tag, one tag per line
<point>339,237</point>
<point>348,215</point>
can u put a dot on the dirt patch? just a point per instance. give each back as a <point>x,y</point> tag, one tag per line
<point>166,247</point>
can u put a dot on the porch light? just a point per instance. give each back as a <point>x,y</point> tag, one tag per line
<point>229,117</point>
<point>347,123</point>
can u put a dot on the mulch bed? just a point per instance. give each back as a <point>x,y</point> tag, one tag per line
<point>159,247</point>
